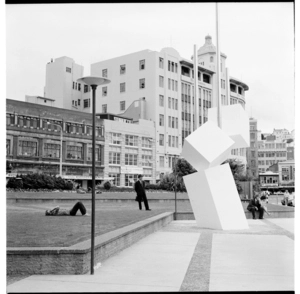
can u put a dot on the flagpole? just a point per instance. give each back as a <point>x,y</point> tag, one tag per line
<point>218,69</point>
<point>196,106</point>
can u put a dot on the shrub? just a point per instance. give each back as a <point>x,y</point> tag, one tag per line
<point>14,183</point>
<point>107,186</point>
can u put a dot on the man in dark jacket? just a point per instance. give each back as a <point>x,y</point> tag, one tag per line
<point>255,204</point>
<point>139,187</point>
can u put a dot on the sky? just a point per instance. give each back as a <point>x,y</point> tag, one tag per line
<point>258,39</point>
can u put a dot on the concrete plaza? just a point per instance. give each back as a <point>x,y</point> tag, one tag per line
<point>183,257</point>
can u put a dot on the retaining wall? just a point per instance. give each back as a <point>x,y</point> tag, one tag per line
<point>76,259</point>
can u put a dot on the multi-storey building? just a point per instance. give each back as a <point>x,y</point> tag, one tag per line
<point>123,148</point>
<point>151,85</point>
<point>252,151</point>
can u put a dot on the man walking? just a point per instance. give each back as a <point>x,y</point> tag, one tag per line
<point>139,187</point>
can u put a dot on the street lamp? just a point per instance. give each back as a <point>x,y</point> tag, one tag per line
<point>94,82</point>
<point>61,140</point>
<point>176,160</point>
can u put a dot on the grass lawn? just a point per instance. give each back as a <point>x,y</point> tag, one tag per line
<point>27,225</point>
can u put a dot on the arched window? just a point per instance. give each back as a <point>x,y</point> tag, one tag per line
<point>211,59</point>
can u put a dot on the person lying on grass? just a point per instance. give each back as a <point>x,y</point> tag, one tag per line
<point>56,211</point>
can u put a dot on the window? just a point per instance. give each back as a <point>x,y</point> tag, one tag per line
<point>176,123</point>
<point>142,64</point>
<point>122,87</point>
<point>161,140</point>
<point>104,73</point>
<point>169,84</point>
<point>52,150</point>
<point>90,154</point>
<point>27,148</point>
<point>169,141</point>
<point>74,152</point>
<point>7,146</point>
<point>104,108</point>
<point>169,102</point>
<point>170,119</point>
<point>146,160</point>
<point>122,69</point>
<point>206,78</point>
<point>233,88</point>
<point>104,91</point>
<point>130,179</point>
<point>68,69</point>
<point>161,161</point>
<point>131,140</point>
<point>161,100</point>
<point>147,142</point>
<point>115,138</point>
<point>161,62</point>
<point>240,90</point>
<point>130,159</point>
<point>161,81</point>
<point>114,158</point>
<point>78,102</point>
<point>142,83</point>
<point>79,87</point>
<point>116,178</point>
<point>86,103</point>
<point>161,120</point>
<point>86,88</point>
<point>122,105</point>
<point>211,59</point>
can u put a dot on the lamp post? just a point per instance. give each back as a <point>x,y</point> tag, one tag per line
<point>94,82</point>
<point>61,141</point>
<point>176,160</point>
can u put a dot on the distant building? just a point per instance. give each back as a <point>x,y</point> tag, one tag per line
<point>123,149</point>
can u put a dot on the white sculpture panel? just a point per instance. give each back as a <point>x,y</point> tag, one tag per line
<point>235,123</point>
<point>213,193</point>
<point>207,146</point>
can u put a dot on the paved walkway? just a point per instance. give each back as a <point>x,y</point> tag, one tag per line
<point>183,257</point>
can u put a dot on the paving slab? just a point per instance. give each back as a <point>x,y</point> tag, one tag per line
<point>252,263</point>
<point>285,223</point>
<point>158,262</point>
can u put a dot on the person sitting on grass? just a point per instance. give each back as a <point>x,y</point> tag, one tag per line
<point>56,211</point>
<point>255,205</point>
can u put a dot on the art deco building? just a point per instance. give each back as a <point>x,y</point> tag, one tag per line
<point>154,86</point>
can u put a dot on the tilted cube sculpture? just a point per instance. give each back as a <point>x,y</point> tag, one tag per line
<point>212,190</point>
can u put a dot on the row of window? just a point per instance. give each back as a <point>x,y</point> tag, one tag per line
<point>272,146</point>
<point>234,87</point>
<point>172,85</point>
<point>29,148</point>
<point>272,154</point>
<point>172,66</point>
<point>130,140</point>
<point>130,159</point>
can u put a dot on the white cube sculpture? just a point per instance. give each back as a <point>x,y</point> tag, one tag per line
<point>215,200</point>
<point>207,146</point>
<point>212,190</point>
<point>235,123</point>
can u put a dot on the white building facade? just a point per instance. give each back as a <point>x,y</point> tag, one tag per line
<point>153,86</point>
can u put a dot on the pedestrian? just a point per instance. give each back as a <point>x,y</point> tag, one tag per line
<point>256,205</point>
<point>139,188</point>
<point>57,211</point>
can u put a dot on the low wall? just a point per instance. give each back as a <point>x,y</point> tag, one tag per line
<point>274,214</point>
<point>76,259</point>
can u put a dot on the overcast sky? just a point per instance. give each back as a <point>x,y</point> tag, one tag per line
<point>258,39</point>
